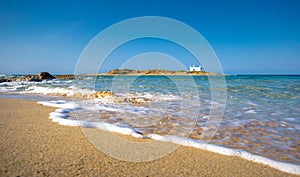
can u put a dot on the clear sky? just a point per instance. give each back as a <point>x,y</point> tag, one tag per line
<point>249,36</point>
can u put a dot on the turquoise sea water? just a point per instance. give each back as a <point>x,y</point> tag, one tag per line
<point>262,113</point>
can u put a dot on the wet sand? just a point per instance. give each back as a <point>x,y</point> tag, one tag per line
<point>32,145</point>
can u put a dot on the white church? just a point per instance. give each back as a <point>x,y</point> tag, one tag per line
<point>194,68</point>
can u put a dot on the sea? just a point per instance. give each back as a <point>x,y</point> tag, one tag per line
<point>256,117</point>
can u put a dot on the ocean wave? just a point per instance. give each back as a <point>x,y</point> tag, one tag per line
<point>3,76</point>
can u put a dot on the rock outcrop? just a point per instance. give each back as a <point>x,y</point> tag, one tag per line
<point>5,80</point>
<point>65,76</point>
<point>30,78</point>
<point>45,76</point>
<point>37,78</point>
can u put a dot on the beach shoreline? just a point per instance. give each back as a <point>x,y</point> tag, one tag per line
<point>33,145</point>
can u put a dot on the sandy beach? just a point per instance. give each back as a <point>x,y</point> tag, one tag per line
<point>32,145</point>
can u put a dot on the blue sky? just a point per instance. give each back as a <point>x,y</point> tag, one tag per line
<point>248,36</point>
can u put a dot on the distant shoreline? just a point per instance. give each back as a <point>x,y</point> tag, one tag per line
<point>116,72</point>
<point>155,72</point>
<point>126,72</point>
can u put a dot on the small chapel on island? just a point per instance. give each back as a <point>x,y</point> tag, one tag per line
<point>194,68</point>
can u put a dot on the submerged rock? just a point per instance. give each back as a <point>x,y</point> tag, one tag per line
<point>138,100</point>
<point>103,94</point>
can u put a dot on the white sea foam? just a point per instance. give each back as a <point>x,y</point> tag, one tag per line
<point>61,115</point>
<point>3,75</point>
<point>251,112</point>
<point>6,87</point>
<point>46,87</point>
<point>64,105</point>
<point>49,90</point>
<point>60,91</point>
